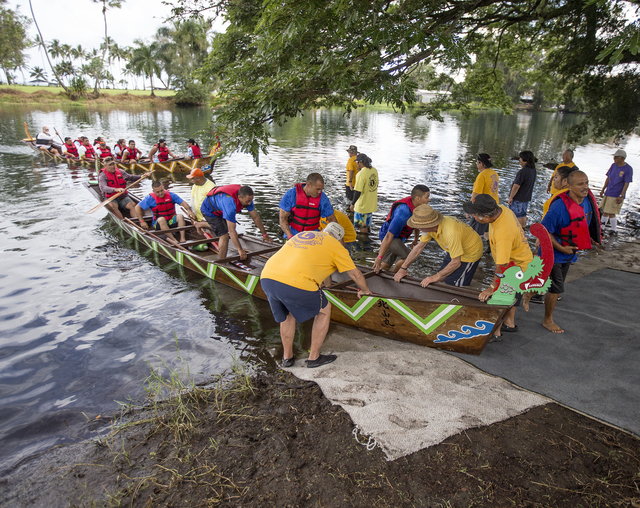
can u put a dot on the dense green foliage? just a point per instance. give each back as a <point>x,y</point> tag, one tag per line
<point>13,40</point>
<point>277,59</point>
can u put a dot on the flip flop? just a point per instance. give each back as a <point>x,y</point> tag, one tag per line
<point>505,328</point>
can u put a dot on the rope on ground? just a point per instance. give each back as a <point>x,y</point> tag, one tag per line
<point>370,444</point>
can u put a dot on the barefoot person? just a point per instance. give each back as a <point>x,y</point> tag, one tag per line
<point>573,223</point>
<point>112,180</point>
<point>462,246</point>
<point>619,176</point>
<point>394,231</point>
<point>508,244</point>
<point>163,205</point>
<point>364,201</point>
<point>219,209</point>
<point>292,278</point>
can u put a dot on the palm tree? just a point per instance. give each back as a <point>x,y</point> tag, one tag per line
<point>55,48</point>
<point>38,73</point>
<point>45,49</point>
<point>115,4</point>
<point>144,60</point>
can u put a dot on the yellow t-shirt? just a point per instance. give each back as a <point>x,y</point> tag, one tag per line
<point>367,185</point>
<point>507,240</point>
<point>352,166</point>
<point>555,191</point>
<point>198,193</point>
<point>456,238</point>
<point>343,220</point>
<point>306,260</point>
<point>487,183</point>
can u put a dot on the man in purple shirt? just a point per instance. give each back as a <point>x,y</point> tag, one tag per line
<point>619,176</point>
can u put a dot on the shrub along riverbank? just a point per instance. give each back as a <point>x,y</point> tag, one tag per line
<point>19,94</point>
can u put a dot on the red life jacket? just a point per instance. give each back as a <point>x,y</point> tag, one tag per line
<point>115,181</point>
<point>165,207</point>
<point>115,154</point>
<point>305,215</point>
<point>163,153</point>
<point>231,190</point>
<point>105,152</point>
<point>196,151</point>
<point>578,233</point>
<point>89,153</point>
<point>130,155</point>
<point>71,150</point>
<point>406,230</point>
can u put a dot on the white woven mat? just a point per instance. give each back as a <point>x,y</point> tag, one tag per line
<point>408,397</point>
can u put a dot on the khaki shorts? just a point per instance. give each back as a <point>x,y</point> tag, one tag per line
<point>397,249</point>
<point>609,205</point>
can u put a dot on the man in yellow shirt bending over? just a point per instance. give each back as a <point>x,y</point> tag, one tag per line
<point>201,186</point>
<point>463,247</point>
<point>291,279</point>
<point>508,244</point>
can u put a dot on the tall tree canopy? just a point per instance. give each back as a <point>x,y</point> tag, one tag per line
<point>13,40</point>
<point>278,58</point>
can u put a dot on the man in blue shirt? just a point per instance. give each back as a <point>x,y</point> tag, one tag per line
<point>302,207</point>
<point>163,205</point>
<point>576,234</point>
<point>219,209</point>
<point>394,230</point>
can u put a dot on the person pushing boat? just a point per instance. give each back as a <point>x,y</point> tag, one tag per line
<point>219,209</point>
<point>350,235</point>
<point>112,180</point>
<point>394,231</point>
<point>291,280</point>
<point>162,151</point>
<point>201,186</point>
<point>302,207</point>
<point>508,245</point>
<point>163,205</point>
<point>462,246</point>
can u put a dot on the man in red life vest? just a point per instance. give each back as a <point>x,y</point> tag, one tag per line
<point>219,209</point>
<point>112,180</point>
<point>193,152</point>
<point>394,231</point>
<point>161,152</point>
<point>104,151</point>
<point>163,205</point>
<point>131,153</point>
<point>573,224</point>
<point>70,148</point>
<point>302,207</point>
<point>87,151</point>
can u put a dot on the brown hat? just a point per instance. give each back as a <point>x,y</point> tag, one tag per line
<point>195,173</point>
<point>352,149</point>
<point>424,217</point>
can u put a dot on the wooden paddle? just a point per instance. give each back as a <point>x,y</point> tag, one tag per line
<point>168,240</point>
<point>117,194</point>
<point>59,135</point>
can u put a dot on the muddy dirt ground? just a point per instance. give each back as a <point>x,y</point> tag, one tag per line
<point>277,441</point>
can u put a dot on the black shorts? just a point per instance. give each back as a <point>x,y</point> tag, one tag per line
<point>478,227</point>
<point>558,276</point>
<point>123,202</point>
<point>218,225</point>
<point>348,192</point>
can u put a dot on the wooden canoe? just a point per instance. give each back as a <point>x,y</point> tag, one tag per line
<point>440,316</point>
<point>168,166</point>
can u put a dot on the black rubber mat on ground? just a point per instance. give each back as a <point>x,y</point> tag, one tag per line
<point>594,367</point>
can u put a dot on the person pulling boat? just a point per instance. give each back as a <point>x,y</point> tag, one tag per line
<point>292,279</point>
<point>394,231</point>
<point>462,245</point>
<point>112,180</point>
<point>302,207</point>
<point>201,187</point>
<point>162,151</point>
<point>163,205</point>
<point>219,209</point>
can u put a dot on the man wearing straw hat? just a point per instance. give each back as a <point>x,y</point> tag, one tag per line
<point>463,247</point>
<point>291,279</point>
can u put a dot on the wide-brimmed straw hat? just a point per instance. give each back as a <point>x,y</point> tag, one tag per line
<point>424,217</point>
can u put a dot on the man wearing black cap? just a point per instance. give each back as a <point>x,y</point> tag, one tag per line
<point>486,183</point>
<point>507,241</point>
<point>352,171</point>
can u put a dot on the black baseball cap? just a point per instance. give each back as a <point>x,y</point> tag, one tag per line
<point>485,158</point>
<point>482,204</point>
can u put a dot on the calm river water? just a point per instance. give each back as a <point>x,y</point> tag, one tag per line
<point>82,310</point>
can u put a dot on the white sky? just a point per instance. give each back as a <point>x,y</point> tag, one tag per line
<point>80,22</point>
